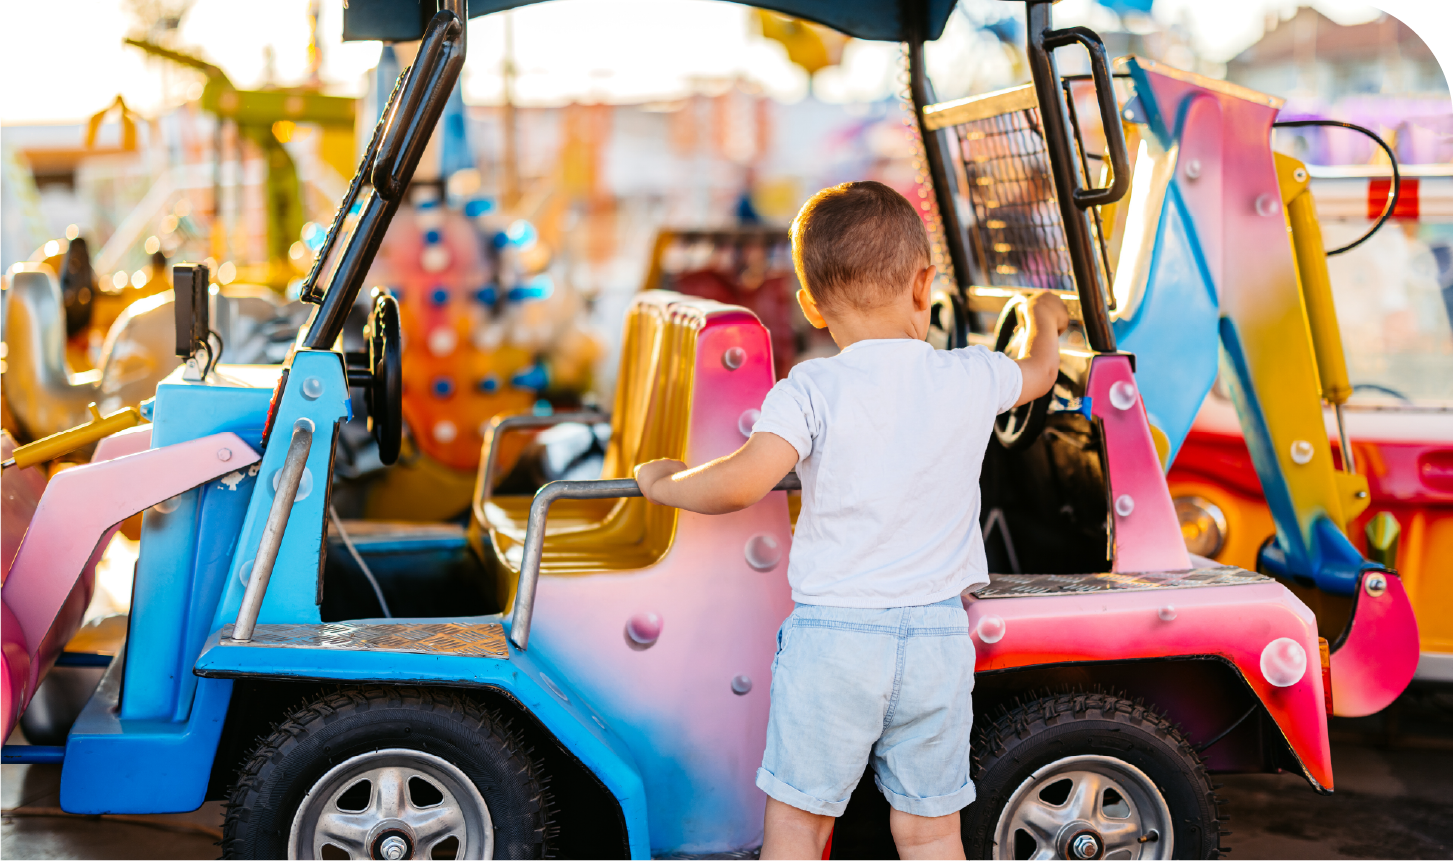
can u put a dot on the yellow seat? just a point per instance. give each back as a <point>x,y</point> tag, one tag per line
<point>651,419</point>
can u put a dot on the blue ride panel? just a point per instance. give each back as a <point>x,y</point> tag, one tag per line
<point>524,676</point>
<point>141,766</point>
<point>165,594</point>
<point>1172,330</point>
<point>292,593</point>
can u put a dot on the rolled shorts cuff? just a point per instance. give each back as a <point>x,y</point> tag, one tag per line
<point>770,784</point>
<point>937,805</point>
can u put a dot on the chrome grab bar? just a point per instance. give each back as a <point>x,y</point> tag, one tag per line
<point>290,476</point>
<point>534,547</point>
<point>499,426</point>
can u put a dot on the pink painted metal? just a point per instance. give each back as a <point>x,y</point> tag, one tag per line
<point>19,494</point>
<point>677,696</point>
<point>1379,653</point>
<point>1147,532</point>
<point>129,441</point>
<point>78,513</point>
<point>1234,623</point>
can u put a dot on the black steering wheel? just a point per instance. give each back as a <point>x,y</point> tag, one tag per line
<point>385,391</point>
<point>1018,427</point>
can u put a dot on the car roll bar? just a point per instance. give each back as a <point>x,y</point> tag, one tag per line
<point>393,154</point>
<point>1074,198</point>
<point>289,478</point>
<point>534,546</point>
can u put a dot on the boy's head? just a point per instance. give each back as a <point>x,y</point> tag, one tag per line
<point>858,246</point>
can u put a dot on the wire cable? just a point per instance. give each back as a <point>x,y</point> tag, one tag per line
<point>358,559</point>
<point>1397,178</point>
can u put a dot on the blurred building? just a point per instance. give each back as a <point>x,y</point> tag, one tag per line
<point>1309,54</point>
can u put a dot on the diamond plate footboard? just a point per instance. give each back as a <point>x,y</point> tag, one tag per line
<point>485,640</point>
<point>1023,585</point>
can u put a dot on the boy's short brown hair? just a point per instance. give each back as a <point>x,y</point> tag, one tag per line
<point>857,245</point>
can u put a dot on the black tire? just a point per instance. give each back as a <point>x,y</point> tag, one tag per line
<point>1037,734</point>
<point>334,729</point>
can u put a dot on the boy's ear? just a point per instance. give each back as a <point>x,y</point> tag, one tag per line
<point>923,288</point>
<point>809,309</point>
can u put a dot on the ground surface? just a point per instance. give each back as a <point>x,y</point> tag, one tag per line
<point>1394,799</point>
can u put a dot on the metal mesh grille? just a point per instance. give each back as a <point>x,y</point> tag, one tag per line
<point>1017,222</point>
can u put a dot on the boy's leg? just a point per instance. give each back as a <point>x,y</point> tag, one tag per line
<point>795,833</point>
<point>923,836</point>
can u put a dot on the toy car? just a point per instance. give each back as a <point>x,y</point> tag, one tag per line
<point>599,687</point>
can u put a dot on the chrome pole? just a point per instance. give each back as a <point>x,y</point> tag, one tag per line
<point>291,475</point>
<point>1349,466</point>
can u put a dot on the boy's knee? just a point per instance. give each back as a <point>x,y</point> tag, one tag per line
<point>910,829</point>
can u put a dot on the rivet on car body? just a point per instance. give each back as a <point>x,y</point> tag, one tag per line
<point>1375,584</point>
<point>733,358</point>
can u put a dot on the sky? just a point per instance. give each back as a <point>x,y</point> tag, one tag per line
<point>608,50</point>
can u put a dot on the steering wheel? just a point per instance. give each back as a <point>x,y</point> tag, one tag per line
<point>385,392</point>
<point>947,322</point>
<point>1018,427</point>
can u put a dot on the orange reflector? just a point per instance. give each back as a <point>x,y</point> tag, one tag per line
<point>1326,652</point>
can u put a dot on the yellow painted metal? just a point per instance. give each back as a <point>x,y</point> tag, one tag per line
<point>1315,287</point>
<point>67,441</point>
<point>650,420</point>
<point>1316,283</point>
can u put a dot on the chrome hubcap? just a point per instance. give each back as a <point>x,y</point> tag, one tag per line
<point>393,804</point>
<point>1085,807</point>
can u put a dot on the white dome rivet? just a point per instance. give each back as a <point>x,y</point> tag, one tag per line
<point>312,388</point>
<point>1193,169</point>
<point>224,454</point>
<point>644,629</point>
<point>991,629</point>
<point>1283,662</point>
<point>746,420</point>
<point>445,432</point>
<point>1267,204</point>
<point>1124,504</point>
<point>733,358</point>
<point>305,485</point>
<point>442,341</point>
<point>1166,613</point>
<point>1302,452</point>
<point>1123,395</point>
<point>741,685</point>
<point>434,258</point>
<point>763,552</point>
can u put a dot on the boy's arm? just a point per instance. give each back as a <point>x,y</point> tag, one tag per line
<point>726,484</point>
<point>1039,360</point>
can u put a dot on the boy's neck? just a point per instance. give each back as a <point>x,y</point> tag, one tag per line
<point>886,322</point>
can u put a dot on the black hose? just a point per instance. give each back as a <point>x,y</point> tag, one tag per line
<point>1397,179</point>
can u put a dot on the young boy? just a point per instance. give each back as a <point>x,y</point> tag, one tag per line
<point>875,663</point>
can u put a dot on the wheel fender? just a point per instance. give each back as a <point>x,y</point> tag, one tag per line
<point>1375,658</point>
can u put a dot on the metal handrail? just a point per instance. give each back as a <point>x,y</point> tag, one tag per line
<point>290,477</point>
<point>500,426</point>
<point>534,547</point>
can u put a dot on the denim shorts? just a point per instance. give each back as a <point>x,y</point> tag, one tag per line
<point>857,686</point>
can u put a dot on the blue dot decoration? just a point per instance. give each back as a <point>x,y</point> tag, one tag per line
<point>440,296</point>
<point>535,378</point>
<point>478,206</point>
<point>540,287</point>
<point>487,295</point>
<point>488,384</point>
<point>433,237</point>
<point>442,387</point>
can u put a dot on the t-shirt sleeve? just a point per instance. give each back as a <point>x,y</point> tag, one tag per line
<point>1001,373</point>
<point>787,412</point>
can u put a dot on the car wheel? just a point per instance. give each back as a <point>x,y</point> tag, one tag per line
<point>383,772</point>
<point>1088,775</point>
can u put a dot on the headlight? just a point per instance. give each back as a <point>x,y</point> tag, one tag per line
<point>1203,526</point>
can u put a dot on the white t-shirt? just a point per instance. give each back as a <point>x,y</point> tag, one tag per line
<point>890,436</point>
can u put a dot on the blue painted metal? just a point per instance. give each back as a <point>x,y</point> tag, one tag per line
<point>526,677</point>
<point>1173,328</point>
<point>292,594</point>
<point>164,596</point>
<point>116,765</point>
<point>33,754</point>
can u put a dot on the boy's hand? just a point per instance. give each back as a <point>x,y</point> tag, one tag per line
<point>1049,311</point>
<point>647,474</point>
